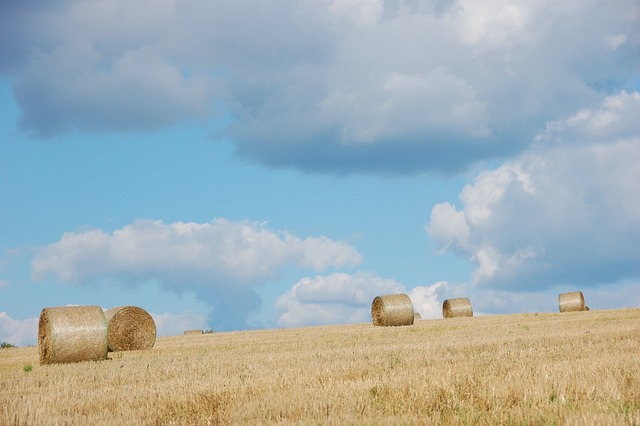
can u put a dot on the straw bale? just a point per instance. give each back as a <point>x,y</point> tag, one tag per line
<point>417,317</point>
<point>571,302</point>
<point>458,307</point>
<point>191,332</point>
<point>72,334</point>
<point>130,328</point>
<point>392,310</point>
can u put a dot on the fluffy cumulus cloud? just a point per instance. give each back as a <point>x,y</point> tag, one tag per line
<point>324,85</point>
<point>222,261</point>
<point>341,298</point>
<point>18,332</point>
<point>566,212</point>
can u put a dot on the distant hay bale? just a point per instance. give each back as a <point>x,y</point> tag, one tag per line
<point>130,328</point>
<point>191,332</point>
<point>72,334</point>
<point>458,307</point>
<point>571,302</point>
<point>417,317</point>
<point>392,310</point>
<point>586,308</point>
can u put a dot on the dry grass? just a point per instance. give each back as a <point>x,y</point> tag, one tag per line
<point>571,368</point>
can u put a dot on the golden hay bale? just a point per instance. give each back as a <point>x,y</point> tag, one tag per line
<point>571,302</point>
<point>586,308</point>
<point>458,307</point>
<point>130,328</point>
<point>72,334</point>
<point>392,310</point>
<point>190,332</point>
<point>417,317</point>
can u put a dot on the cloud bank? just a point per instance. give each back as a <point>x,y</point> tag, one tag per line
<point>223,262</point>
<point>342,298</point>
<point>332,86</point>
<point>18,332</point>
<point>564,213</point>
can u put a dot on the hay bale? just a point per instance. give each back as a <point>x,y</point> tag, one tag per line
<point>458,307</point>
<point>191,332</point>
<point>130,328</point>
<point>417,317</point>
<point>72,334</point>
<point>392,310</point>
<point>571,302</point>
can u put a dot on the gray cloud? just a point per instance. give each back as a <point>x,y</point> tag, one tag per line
<point>329,85</point>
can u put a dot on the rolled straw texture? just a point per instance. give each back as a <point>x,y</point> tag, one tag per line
<point>458,307</point>
<point>571,302</point>
<point>392,310</point>
<point>72,334</point>
<point>191,332</point>
<point>130,328</point>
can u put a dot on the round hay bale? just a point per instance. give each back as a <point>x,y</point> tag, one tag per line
<point>458,307</point>
<point>130,328</point>
<point>586,308</point>
<point>417,317</point>
<point>191,332</point>
<point>72,334</point>
<point>392,310</point>
<point>571,302</point>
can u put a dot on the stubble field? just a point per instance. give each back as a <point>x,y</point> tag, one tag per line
<point>547,368</point>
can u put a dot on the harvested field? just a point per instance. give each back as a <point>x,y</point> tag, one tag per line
<point>570,368</point>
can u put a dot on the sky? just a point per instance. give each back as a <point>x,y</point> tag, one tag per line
<point>265,164</point>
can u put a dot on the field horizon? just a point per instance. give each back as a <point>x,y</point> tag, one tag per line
<point>532,368</point>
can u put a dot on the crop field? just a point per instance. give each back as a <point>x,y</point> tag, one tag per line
<point>546,368</point>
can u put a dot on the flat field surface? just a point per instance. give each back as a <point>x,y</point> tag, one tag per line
<point>573,368</point>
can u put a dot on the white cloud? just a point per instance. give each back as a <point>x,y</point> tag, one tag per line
<point>401,105</point>
<point>171,324</point>
<point>449,226</point>
<point>616,118</point>
<point>240,253</point>
<point>333,299</point>
<point>221,261</point>
<point>18,332</point>
<point>360,12</point>
<point>497,23</point>
<point>559,214</point>
<point>344,298</point>
<point>427,300</point>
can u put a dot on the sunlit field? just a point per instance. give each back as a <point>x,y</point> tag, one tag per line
<point>548,368</point>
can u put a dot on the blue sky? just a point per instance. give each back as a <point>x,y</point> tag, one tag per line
<point>280,164</point>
